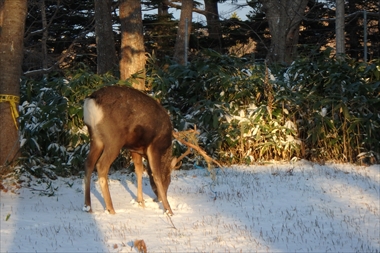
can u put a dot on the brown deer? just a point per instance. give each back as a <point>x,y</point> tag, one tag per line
<point>119,117</point>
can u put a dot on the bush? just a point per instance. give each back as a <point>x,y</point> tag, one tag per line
<point>231,103</point>
<point>53,138</point>
<point>318,108</point>
<point>335,105</point>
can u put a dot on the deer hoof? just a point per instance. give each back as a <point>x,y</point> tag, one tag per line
<point>141,203</point>
<point>169,212</point>
<point>110,211</point>
<point>86,208</point>
<point>157,200</point>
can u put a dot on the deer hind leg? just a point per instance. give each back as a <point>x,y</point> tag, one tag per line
<point>155,165</point>
<point>103,165</point>
<point>96,149</point>
<point>139,169</point>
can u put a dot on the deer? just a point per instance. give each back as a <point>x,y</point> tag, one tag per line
<point>122,117</point>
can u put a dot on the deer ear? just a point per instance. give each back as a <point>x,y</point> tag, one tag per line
<point>173,163</point>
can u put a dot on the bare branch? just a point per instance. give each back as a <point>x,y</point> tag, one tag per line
<point>39,71</point>
<point>179,159</point>
<point>352,15</point>
<point>180,136</point>
<point>178,7</point>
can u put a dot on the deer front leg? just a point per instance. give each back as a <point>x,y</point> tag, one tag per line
<point>155,165</point>
<point>153,184</point>
<point>139,169</point>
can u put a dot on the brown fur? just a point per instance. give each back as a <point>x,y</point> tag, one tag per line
<point>137,122</point>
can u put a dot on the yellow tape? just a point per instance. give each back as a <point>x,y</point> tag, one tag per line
<point>13,101</point>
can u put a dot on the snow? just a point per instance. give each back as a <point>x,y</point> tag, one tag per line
<point>278,207</point>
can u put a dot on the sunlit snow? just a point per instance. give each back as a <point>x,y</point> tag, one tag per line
<point>287,207</point>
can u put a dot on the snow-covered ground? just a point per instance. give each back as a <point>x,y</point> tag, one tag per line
<point>299,207</point>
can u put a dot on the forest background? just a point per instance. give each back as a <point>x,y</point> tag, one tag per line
<point>294,79</point>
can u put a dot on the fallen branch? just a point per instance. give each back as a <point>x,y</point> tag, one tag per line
<point>170,219</point>
<point>189,138</point>
<point>179,159</point>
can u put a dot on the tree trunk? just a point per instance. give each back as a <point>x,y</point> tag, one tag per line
<point>354,29</point>
<point>163,8</point>
<point>132,42</point>
<point>105,43</point>
<point>339,29</point>
<point>44,35</point>
<point>12,25</point>
<point>183,34</point>
<point>213,25</point>
<point>284,18</point>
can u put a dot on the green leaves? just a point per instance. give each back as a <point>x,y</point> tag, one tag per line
<point>53,136</point>
<point>317,109</point>
<point>333,107</point>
